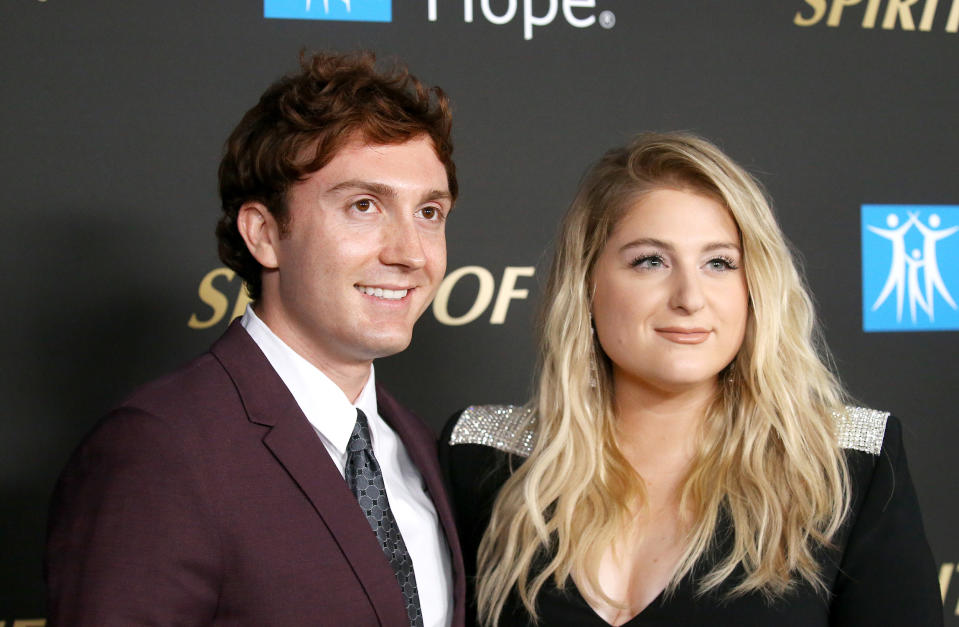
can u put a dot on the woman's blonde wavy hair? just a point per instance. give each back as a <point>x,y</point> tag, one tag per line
<point>768,461</point>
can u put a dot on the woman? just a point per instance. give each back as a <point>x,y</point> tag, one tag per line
<point>688,458</point>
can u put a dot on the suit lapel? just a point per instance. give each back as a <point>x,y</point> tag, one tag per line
<point>299,450</point>
<point>421,446</point>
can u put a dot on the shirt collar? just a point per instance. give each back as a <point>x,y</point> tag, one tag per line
<point>325,405</point>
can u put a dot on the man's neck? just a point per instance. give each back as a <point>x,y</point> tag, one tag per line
<point>351,377</point>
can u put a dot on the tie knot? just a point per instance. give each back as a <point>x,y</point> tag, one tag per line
<point>360,438</point>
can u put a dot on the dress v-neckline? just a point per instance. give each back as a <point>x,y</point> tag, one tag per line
<point>657,600</point>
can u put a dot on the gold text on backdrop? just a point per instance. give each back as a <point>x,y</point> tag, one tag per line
<point>945,578</point>
<point>217,290</point>
<point>484,295</point>
<point>898,14</point>
<point>218,301</point>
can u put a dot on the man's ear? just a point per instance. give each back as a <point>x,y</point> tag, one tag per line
<point>259,230</point>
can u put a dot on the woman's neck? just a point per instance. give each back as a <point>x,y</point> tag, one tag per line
<point>658,428</point>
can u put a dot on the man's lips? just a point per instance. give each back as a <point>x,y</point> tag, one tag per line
<point>682,335</point>
<point>384,293</point>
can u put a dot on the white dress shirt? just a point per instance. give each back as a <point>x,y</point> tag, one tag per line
<point>333,416</point>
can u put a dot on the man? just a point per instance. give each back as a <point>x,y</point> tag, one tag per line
<point>242,489</point>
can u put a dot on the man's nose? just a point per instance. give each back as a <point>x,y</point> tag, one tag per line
<point>402,244</point>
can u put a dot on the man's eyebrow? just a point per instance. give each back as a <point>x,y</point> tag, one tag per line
<point>380,189</point>
<point>384,190</point>
<point>438,194</point>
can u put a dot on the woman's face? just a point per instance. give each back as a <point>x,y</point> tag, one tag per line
<point>670,301</point>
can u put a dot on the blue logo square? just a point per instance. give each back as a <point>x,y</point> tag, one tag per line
<point>345,10</point>
<point>910,267</point>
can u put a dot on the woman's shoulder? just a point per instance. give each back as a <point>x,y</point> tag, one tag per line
<point>480,447</point>
<point>887,575</point>
<point>872,442</point>
<point>506,428</point>
<point>512,428</point>
<point>863,429</point>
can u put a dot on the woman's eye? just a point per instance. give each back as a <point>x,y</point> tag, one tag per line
<point>722,263</point>
<point>648,261</point>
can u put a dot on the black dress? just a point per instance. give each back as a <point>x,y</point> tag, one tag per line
<point>881,572</point>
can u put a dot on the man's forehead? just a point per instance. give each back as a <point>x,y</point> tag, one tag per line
<point>384,167</point>
<point>358,140</point>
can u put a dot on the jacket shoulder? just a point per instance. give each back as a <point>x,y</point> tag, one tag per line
<point>188,386</point>
<point>861,428</point>
<point>512,428</point>
<point>507,428</point>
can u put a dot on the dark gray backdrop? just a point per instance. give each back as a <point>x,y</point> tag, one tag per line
<point>114,115</point>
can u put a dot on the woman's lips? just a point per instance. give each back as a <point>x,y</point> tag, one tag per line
<point>680,335</point>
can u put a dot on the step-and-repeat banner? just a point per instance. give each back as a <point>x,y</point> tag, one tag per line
<point>115,113</point>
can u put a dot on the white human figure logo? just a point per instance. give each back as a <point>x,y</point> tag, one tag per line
<point>897,271</point>
<point>915,294</point>
<point>905,269</point>
<point>932,276</point>
<point>326,5</point>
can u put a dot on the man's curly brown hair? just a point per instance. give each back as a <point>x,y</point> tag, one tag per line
<point>301,122</point>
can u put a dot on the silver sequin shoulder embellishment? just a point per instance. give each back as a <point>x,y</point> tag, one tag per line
<point>504,427</point>
<point>861,428</point>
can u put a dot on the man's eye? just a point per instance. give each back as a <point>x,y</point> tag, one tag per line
<point>363,205</point>
<point>431,213</point>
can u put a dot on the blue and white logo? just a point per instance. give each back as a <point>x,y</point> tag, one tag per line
<point>346,10</point>
<point>910,267</point>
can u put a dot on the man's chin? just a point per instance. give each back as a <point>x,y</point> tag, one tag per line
<point>384,346</point>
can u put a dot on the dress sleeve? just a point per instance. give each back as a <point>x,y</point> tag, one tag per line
<point>130,538</point>
<point>474,474</point>
<point>887,574</point>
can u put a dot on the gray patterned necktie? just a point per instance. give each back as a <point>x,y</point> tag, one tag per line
<point>365,479</point>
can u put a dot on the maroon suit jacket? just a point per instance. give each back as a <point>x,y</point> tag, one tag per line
<point>206,498</point>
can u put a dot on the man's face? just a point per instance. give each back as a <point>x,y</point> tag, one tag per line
<point>363,255</point>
